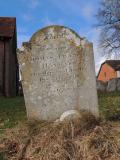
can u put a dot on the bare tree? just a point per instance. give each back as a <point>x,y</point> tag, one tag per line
<point>108,17</point>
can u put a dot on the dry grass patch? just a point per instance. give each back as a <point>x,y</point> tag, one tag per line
<point>79,139</point>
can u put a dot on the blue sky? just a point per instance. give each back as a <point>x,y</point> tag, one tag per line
<point>32,15</point>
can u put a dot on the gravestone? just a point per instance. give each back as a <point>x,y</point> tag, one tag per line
<point>112,85</point>
<point>58,74</point>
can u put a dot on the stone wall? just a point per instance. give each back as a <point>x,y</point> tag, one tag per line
<point>110,86</point>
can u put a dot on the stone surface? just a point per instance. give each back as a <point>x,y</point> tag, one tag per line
<point>112,85</point>
<point>58,74</point>
<point>71,114</point>
<point>118,84</point>
<point>101,86</point>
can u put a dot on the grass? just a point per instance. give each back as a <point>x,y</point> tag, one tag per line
<point>109,105</point>
<point>12,110</point>
<point>84,139</point>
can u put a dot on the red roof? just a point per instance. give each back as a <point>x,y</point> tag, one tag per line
<point>7,26</point>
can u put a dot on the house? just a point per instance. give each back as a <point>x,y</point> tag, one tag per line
<point>8,57</point>
<point>109,69</point>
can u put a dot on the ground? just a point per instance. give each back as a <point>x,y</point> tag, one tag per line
<point>12,110</point>
<point>104,135</point>
<point>109,105</point>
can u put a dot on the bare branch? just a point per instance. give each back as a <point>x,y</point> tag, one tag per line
<point>109,21</point>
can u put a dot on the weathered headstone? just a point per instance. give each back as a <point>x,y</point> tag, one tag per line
<point>118,84</point>
<point>112,85</point>
<point>58,74</point>
<point>101,86</point>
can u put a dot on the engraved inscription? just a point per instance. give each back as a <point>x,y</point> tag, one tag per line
<point>57,64</point>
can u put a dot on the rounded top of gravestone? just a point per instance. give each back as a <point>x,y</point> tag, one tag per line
<point>53,32</point>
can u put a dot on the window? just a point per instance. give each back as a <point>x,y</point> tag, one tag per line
<point>118,74</point>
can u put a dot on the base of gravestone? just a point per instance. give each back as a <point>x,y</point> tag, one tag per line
<point>67,116</point>
<point>75,114</point>
<point>70,114</point>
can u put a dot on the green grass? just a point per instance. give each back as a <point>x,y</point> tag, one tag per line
<point>109,105</point>
<point>12,110</point>
<point>1,156</point>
